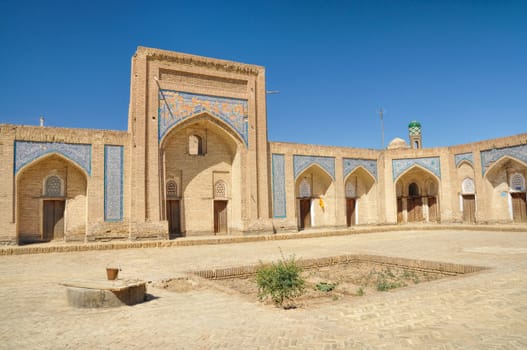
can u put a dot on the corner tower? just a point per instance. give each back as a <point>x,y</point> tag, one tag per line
<point>414,133</point>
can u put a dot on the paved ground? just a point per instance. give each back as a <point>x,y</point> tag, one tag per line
<point>485,310</point>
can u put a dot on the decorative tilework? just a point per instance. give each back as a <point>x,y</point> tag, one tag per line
<point>350,164</point>
<point>28,151</point>
<point>176,106</point>
<point>399,166</point>
<point>300,163</point>
<point>492,155</point>
<point>464,156</point>
<point>113,183</point>
<point>279,200</point>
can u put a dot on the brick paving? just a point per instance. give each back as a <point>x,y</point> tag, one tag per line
<point>484,310</point>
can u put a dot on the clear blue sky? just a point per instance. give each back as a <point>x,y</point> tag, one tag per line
<point>459,67</point>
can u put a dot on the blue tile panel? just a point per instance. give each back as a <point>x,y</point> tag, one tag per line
<point>113,183</point>
<point>279,200</point>
<point>28,151</point>
<point>490,156</point>
<point>464,156</point>
<point>399,166</point>
<point>176,106</point>
<point>301,163</point>
<point>350,164</point>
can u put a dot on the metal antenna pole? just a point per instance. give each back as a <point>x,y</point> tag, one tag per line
<point>381,114</point>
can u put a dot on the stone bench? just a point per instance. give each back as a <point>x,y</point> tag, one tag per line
<point>103,293</point>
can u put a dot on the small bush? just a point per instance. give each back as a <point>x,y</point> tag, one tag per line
<point>360,292</point>
<point>280,281</point>
<point>325,287</point>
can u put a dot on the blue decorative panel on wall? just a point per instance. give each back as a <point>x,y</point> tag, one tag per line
<point>350,164</point>
<point>300,163</point>
<point>490,156</point>
<point>399,166</point>
<point>464,156</point>
<point>113,183</point>
<point>176,106</point>
<point>279,200</point>
<point>28,151</point>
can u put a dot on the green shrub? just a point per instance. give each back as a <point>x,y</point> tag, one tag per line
<point>325,287</point>
<point>280,281</point>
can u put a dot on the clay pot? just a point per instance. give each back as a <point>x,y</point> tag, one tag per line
<point>112,272</point>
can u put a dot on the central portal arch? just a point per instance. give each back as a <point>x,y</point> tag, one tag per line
<point>202,159</point>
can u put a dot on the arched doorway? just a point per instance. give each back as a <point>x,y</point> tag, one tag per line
<point>417,196</point>
<point>505,183</point>
<point>173,207</point>
<point>315,198</point>
<point>358,186</point>
<point>468,195</point>
<point>51,200</point>
<point>202,156</point>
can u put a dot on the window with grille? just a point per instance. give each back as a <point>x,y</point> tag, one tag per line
<point>467,186</point>
<point>220,189</point>
<point>350,190</point>
<point>53,187</point>
<point>171,189</point>
<point>413,190</point>
<point>305,189</point>
<point>517,182</point>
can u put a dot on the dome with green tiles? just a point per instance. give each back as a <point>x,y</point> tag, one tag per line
<point>414,128</point>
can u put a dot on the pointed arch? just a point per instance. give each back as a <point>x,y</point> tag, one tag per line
<point>311,167</point>
<point>46,156</point>
<point>414,167</point>
<point>202,116</point>
<point>464,162</point>
<point>502,161</point>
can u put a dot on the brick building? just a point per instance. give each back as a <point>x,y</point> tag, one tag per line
<point>196,160</point>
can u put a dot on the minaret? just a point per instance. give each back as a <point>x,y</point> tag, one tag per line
<point>414,132</point>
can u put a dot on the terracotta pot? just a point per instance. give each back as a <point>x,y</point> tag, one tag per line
<point>112,272</point>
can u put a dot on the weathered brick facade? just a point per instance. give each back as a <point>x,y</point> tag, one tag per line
<point>196,160</point>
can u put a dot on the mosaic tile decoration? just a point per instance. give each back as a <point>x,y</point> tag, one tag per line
<point>350,164</point>
<point>490,156</point>
<point>28,151</point>
<point>399,166</point>
<point>464,156</point>
<point>176,106</point>
<point>113,183</point>
<point>300,163</point>
<point>279,200</point>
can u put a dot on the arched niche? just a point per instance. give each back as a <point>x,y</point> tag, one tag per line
<point>417,199</point>
<point>51,198</point>
<point>317,209</point>
<point>358,195</point>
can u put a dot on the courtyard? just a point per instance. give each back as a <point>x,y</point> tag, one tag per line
<point>481,310</point>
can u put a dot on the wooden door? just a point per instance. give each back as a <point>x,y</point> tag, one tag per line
<point>350,211</point>
<point>220,216</point>
<point>469,208</point>
<point>173,217</point>
<point>519,207</point>
<point>415,209</point>
<point>399,210</point>
<point>305,213</point>
<point>432,209</point>
<point>53,219</point>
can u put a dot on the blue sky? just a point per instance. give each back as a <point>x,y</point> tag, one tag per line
<point>459,67</point>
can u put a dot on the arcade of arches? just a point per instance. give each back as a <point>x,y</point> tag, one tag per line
<point>196,160</point>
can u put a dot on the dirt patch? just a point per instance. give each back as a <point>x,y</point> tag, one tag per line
<point>330,283</point>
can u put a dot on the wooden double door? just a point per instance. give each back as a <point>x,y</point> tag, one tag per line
<point>53,219</point>
<point>415,209</point>
<point>350,211</point>
<point>519,207</point>
<point>174,217</point>
<point>305,213</point>
<point>469,208</point>
<point>220,216</point>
